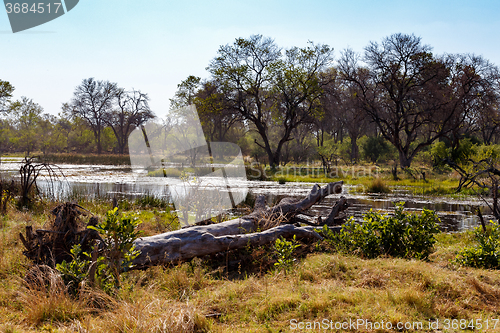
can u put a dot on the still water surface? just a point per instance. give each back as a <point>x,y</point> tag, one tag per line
<point>106,181</point>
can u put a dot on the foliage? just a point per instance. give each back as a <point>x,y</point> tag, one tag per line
<point>485,253</point>
<point>27,123</point>
<point>333,150</point>
<point>75,271</point>
<point>7,193</point>
<point>6,90</point>
<point>284,252</point>
<point>402,235</point>
<point>119,233</point>
<point>375,148</point>
<point>152,201</point>
<point>461,154</point>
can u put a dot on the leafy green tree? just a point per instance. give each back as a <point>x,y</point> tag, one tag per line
<point>217,118</point>
<point>375,148</point>
<point>264,85</point>
<point>80,137</point>
<point>186,92</point>
<point>27,117</point>
<point>6,90</point>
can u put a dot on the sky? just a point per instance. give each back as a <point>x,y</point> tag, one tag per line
<point>153,45</point>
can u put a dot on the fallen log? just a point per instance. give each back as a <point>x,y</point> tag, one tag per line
<point>263,226</point>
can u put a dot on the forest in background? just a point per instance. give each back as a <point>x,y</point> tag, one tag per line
<point>395,101</point>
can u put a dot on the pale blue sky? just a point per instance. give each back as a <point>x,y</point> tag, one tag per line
<point>153,45</point>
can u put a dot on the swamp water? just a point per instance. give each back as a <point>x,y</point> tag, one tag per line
<point>106,181</point>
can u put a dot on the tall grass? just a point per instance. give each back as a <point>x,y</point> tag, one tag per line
<point>45,298</point>
<point>378,186</point>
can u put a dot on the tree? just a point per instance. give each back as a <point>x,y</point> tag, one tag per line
<point>261,83</point>
<point>219,121</point>
<point>93,101</point>
<point>131,111</point>
<point>475,86</point>
<point>414,97</point>
<point>299,82</point>
<point>186,91</point>
<point>344,112</point>
<point>27,117</point>
<point>6,90</point>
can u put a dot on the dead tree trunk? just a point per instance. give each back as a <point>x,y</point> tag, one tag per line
<point>263,226</point>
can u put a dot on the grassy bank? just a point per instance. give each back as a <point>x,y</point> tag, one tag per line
<point>105,159</point>
<point>364,177</point>
<point>241,291</point>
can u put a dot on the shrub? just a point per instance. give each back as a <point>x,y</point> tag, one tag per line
<point>402,235</point>
<point>118,233</point>
<point>375,148</point>
<point>486,252</point>
<point>284,251</point>
<point>152,201</point>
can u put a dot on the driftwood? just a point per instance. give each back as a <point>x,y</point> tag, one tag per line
<point>263,226</point>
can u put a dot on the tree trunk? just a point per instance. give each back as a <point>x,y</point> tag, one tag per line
<point>263,226</point>
<point>354,150</point>
<point>404,161</point>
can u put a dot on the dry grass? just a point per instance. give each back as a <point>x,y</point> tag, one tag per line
<point>196,297</point>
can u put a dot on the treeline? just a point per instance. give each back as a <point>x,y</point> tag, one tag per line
<point>395,100</point>
<point>299,104</point>
<point>99,118</point>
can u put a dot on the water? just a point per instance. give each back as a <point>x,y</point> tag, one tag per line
<point>105,181</point>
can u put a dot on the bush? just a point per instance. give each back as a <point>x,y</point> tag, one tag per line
<point>284,252</point>
<point>118,233</point>
<point>375,148</point>
<point>486,252</point>
<point>402,235</point>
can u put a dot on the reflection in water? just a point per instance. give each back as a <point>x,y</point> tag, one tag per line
<point>108,181</point>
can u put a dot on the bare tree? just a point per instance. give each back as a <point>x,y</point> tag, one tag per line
<point>344,112</point>
<point>131,111</point>
<point>93,101</point>
<point>412,96</point>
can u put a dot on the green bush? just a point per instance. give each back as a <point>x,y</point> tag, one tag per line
<point>486,252</point>
<point>375,148</point>
<point>402,235</point>
<point>152,201</point>
<point>118,234</point>
<point>284,252</point>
